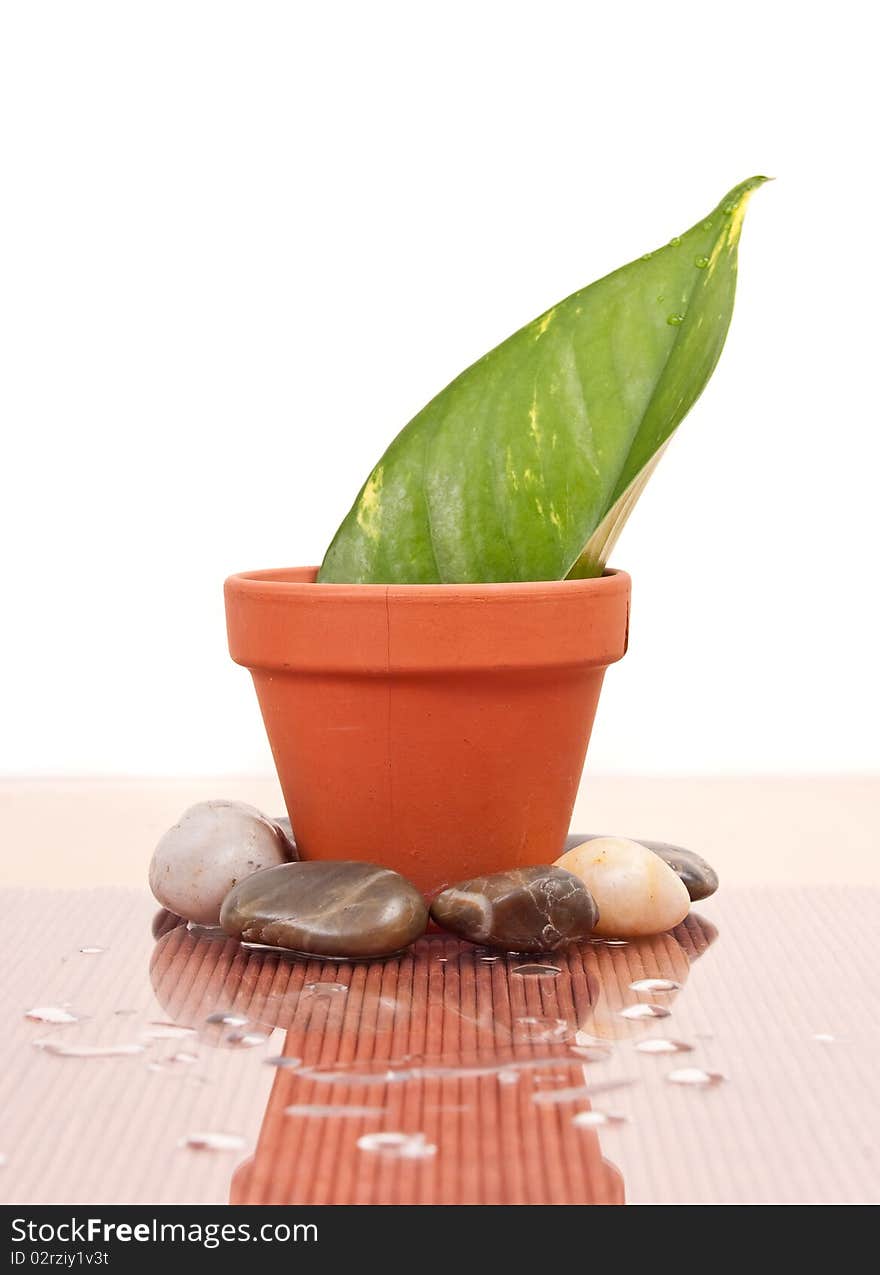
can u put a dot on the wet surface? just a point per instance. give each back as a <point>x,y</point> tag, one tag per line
<point>188,1067</point>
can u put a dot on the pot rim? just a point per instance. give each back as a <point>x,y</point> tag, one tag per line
<point>276,583</point>
<point>281,620</point>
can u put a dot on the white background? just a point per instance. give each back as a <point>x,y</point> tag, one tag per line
<point>243,243</point>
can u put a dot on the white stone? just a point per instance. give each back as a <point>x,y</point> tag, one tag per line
<point>212,846</point>
<point>637,894</point>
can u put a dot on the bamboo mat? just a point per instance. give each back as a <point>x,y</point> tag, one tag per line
<point>488,1078</point>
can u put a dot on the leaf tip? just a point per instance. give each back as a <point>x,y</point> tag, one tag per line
<point>740,193</point>
<point>734,206</point>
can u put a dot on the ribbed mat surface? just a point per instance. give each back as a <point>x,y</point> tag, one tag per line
<point>484,1070</point>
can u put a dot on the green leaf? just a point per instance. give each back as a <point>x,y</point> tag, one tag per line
<point>527,465</point>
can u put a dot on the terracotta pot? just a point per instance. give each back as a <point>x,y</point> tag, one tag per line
<point>437,729</point>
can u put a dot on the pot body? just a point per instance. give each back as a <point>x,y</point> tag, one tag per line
<point>439,730</point>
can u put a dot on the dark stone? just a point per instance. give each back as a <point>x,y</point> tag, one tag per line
<point>699,877</point>
<point>524,910</point>
<point>283,824</point>
<point>326,908</point>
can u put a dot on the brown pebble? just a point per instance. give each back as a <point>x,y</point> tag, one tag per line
<point>326,908</point>
<point>524,910</point>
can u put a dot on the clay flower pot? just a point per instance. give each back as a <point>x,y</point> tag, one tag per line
<point>439,730</point>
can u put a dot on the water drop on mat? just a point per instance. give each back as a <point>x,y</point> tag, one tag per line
<point>654,985</point>
<point>167,1031</point>
<point>207,931</point>
<point>656,1045</point>
<point>87,1051</point>
<point>594,1119</point>
<point>51,1014</point>
<point>584,1038</point>
<point>213,1142</point>
<point>246,1040</point>
<point>398,1146</point>
<point>694,1076</point>
<point>644,1010</point>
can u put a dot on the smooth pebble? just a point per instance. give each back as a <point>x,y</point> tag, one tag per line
<point>327,908</point>
<point>699,877</point>
<point>533,909</point>
<point>637,894</point>
<point>212,847</point>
